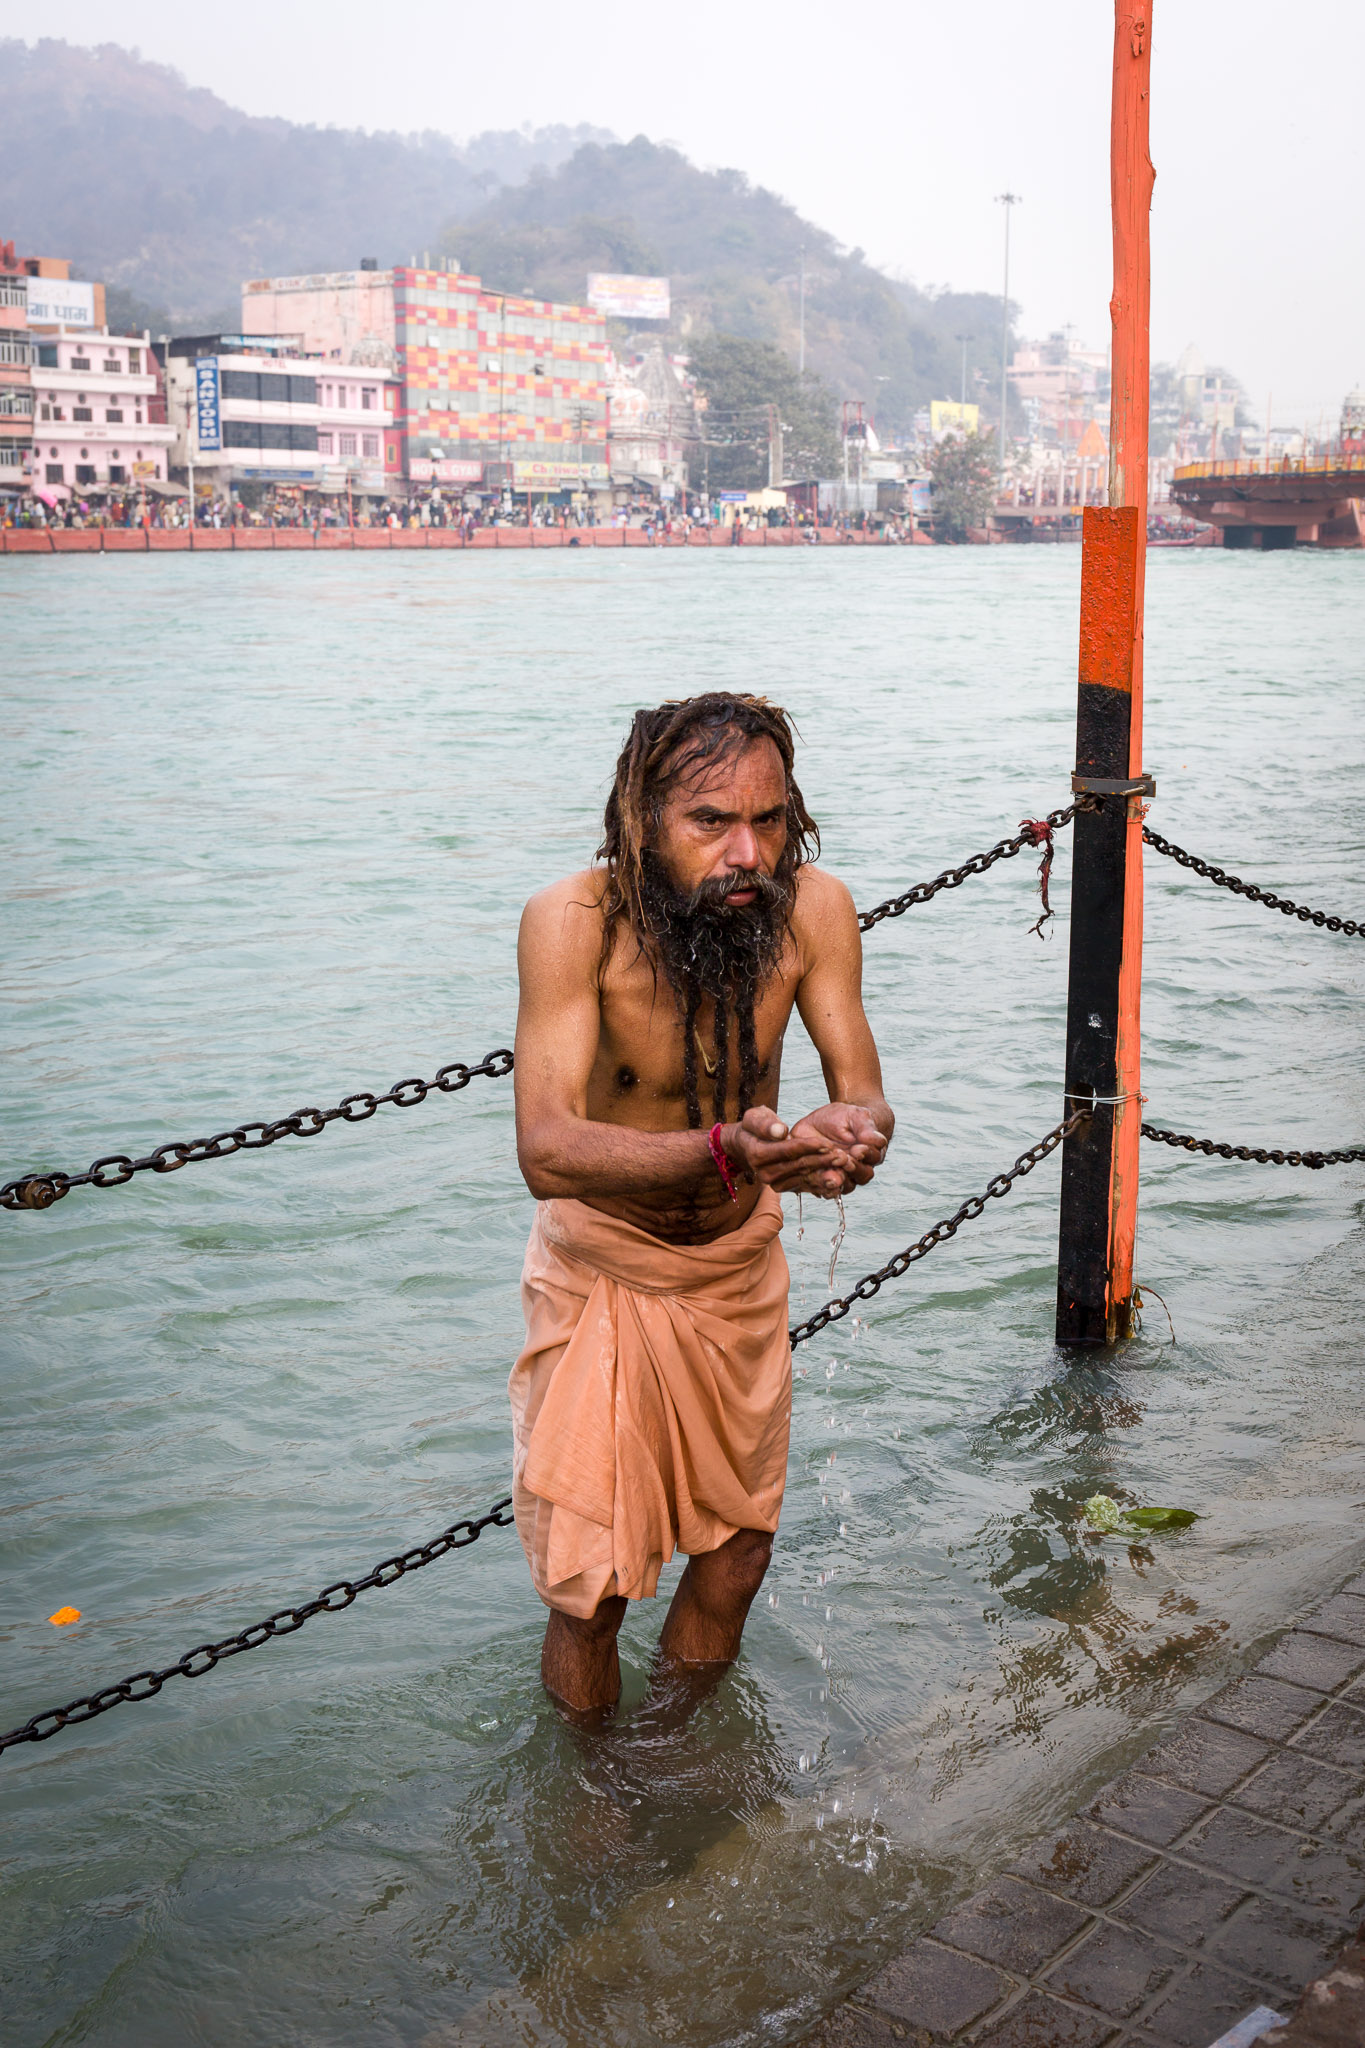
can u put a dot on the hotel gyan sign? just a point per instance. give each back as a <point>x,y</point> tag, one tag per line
<point>208,426</point>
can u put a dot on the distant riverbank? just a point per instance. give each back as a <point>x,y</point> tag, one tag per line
<point>122,540</point>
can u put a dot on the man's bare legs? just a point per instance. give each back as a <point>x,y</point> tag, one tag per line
<point>706,1619</point>
<point>579,1667</point>
<point>701,1634</point>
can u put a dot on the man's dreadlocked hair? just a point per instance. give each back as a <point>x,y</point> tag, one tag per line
<point>676,744</point>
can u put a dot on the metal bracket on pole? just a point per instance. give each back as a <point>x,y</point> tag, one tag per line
<point>1108,785</point>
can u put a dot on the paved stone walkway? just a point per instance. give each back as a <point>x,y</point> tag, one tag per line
<point>1221,1873</point>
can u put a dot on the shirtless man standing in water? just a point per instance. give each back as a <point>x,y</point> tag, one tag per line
<point>652,1401</point>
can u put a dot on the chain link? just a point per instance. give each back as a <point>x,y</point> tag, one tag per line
<point>333,1599</point>
<point>1213,1146</point>
<point>953,878</point>
<point>1223,880</point>
<point>871,1283</point>
<point>116,1169</point>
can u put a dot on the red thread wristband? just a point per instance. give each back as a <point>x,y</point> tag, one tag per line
<point>723,1167</point>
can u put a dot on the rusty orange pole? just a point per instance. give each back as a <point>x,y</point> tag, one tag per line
<point>1103,1053</point>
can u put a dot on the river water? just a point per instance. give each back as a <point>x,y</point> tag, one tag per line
<point>267,829</point>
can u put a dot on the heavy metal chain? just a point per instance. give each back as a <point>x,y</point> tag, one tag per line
<point>333,1599</point>
<point>1033,833</point>
<point>1223,880</point>
<point>145,1685</point>
<point>871,1283</point>
<point>1212,1146</point>
<point>41,1190</point>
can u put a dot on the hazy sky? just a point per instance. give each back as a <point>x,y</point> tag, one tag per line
<point>894,123</point>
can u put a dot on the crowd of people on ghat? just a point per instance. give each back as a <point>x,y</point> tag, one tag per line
<point>659,521</point>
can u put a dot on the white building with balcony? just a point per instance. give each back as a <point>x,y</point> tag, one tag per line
<point>99,422</point>
<point>255,410</point>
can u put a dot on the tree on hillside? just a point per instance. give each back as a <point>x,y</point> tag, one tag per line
<point>738,380</point>
<point>963,474</point>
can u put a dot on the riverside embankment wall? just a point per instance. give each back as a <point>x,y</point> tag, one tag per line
<point>111,540</point>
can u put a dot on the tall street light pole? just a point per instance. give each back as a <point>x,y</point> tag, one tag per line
<point>1009,200</point>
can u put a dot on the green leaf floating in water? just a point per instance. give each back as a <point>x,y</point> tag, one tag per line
<point>1109,1519</point>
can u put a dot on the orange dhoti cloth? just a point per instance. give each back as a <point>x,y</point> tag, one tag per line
<point>651,1405</point>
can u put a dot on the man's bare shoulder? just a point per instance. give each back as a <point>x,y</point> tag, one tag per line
<point>824,913</point>
<point>565,918</point>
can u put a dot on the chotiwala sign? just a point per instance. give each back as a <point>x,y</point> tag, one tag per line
<point>552,474</point>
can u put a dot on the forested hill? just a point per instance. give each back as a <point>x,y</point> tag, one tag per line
<point>173,197</point>
<point>733,252</point>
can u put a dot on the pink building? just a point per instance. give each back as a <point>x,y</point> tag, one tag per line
<point>99,421</point>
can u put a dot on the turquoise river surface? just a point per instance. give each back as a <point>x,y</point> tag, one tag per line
<point>267,828</point>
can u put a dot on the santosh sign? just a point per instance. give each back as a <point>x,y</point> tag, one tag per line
<point>208,429</point>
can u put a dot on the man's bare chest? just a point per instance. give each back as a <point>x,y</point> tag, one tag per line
<point>640,1073</point>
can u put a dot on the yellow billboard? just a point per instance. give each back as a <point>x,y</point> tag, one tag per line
<point>946,416</point>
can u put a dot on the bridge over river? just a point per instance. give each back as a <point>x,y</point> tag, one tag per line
<point>1317,502</point>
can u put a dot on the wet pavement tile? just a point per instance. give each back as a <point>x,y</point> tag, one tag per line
<point>1184,1904</point>
<point>1042,2022</point>
<point>1011,1924</point>
<point>935,1988</point>
<point>1203,1757</point>
<point>1343,1617</point>
<point>1201,2006</point>
<point>1336,1737</point>
<point>1270,1858</point>
<point>849,2027</point>
<point>1279,1946</point>
<point>1144,1807</point>
<point>1296,1791</point>
<point>1314,1661</point>
<point>1115,1969</point>
<point>1263,1706</point>
<point>1086,1864</point>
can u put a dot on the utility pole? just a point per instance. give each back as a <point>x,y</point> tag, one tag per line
<point>1100,1159</point>
<point>964,339</point>
<point>1009,200</point>
<point>801,359</point>
<point>775,456</point>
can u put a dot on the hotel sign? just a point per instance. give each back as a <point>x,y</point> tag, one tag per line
<point>208,428</point>
<point>444,470</point>
<point>57,302</point>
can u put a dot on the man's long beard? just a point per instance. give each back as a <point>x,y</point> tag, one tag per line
<point>708,947</point>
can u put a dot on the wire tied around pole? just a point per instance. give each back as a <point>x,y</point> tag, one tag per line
<point>1040,833</point>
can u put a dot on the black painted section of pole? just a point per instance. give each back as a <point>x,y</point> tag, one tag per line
<point>1103,716</point>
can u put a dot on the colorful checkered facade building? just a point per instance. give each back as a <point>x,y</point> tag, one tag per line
<point>506,382</point>
<point>501,379</point>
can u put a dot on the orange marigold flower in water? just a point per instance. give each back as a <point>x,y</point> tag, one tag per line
<point>64,1615</point>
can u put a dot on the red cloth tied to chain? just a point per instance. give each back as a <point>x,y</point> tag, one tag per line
<point>1040,834</point>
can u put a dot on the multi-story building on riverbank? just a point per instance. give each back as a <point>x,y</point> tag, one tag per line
<point>514,385</point>
<point>254,409</point>
<point>16,380</point>
<point>99,423</point>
